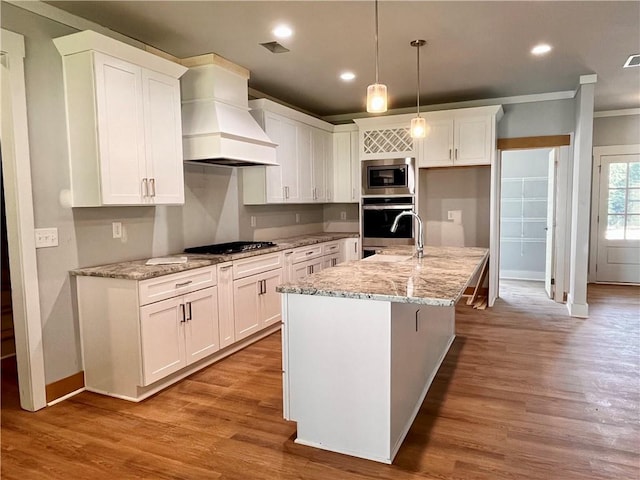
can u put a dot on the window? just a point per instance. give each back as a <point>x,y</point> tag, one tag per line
<point>623,202</point>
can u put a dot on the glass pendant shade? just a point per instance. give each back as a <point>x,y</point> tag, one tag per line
<point>418,127</point>
<point>376,98</point>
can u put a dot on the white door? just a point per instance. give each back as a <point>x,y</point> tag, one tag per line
<point>163,138</point>
<point>121,130</point>
<point>201,326</point>
<point>618,252</point>
<point>270,301</point>
<point>550,228</point>
<point>162,339</point>
<point>245,306</point>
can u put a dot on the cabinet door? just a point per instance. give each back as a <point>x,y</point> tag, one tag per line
<point>342,167</point>
<point>437,147</point>
<point>120,130</point>
<point>289,160</point>
<point>245,306</point>
<point>274,183</point>
<point>302,269</point>
<point>329,261</point>
<point>225,306</point>
<point>163,138</point>
<point>269,301</point>
<point>473,140</point>
<point>319,165</point>
<point>162,339</point>
<point>305,153</point>
<point>201,326</point>
<point>351,249</point>
<point>356,172</point>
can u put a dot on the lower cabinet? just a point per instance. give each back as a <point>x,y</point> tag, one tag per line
<point>350,249</point>
<point>177,332</point>
<point>256,302</point>
<point>307,267</point>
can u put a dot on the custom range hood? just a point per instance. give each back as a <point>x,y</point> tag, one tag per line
<point>217,127</point>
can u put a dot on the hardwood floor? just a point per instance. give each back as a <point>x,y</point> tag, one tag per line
<point>525,392</point>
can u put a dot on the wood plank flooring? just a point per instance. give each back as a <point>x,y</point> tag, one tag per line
<point>526,392</point>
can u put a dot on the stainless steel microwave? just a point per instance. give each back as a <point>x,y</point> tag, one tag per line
<point>394,176</point>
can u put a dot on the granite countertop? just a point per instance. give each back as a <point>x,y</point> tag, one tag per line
<point>439,278</point>
<point>137,270</point>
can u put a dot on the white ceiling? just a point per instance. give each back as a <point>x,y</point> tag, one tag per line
<point>476,50</point>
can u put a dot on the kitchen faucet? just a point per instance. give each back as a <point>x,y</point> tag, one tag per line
<point>420,238</point>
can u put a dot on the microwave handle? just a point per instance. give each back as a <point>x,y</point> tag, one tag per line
<point>387,207</point>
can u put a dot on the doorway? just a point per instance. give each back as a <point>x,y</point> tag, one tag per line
<point>7,341</point>
<point>615,236</point>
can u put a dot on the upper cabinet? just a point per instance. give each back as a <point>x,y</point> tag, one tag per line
<point>304,154</point>
<point>346,165</point>
<point>459,137</point>
<point>124,124</point>
<point>385,137</point>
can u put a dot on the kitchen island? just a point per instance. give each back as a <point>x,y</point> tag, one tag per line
<point>363,341</point>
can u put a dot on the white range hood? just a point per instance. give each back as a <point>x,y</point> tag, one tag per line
<point>217,127</point>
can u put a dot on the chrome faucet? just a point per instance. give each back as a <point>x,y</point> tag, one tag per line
<point>420,238</point>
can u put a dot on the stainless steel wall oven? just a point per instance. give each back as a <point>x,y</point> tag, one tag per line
<point>378,214</point>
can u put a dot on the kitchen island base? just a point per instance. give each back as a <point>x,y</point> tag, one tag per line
<point>356,371</point>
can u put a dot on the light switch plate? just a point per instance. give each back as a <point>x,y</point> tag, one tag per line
<point>46,237</point>
<point>116,228</point>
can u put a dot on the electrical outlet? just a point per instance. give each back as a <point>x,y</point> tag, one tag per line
<point>46,237</point>
<point>116,228</point>
<point>253,220</point>
<point>297,218</point>
<point>343,215</point>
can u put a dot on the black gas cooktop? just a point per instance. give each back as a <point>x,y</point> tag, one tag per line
<point>230,247</point>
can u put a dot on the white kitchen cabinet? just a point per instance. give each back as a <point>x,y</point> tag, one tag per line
<point>331,260</point>
<point>226,317</point>
<point>177,332</point>
<point>255,300</point>
<point>303,153</point>
<point>307,267</point>
<point>384,137</point>
<point>350,249</point>
<point>459,137</point>
<point>346,167</point>
<point>124,123</point>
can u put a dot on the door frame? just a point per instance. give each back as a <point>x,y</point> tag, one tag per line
<point>25,294</point>
<point>564,144</point>
<point>598,153</point>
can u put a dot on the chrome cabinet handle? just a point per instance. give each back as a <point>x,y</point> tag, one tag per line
<point>417,312</point>
<point>309,253</point>
<point>456,155</point>
<point>189,310</point>
<point>152,186</point>
<point>449,154</point>
<point>184,284</point>
<point>145,188</point>
<point>184,319</point>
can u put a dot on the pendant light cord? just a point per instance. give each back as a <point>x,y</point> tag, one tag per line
<point>418,89</point>
<point>376,3</point>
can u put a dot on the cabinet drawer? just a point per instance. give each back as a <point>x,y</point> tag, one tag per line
<point>306,253</point>
<point>330,248</point>
<point>168,286</point>
<point>258,264</point>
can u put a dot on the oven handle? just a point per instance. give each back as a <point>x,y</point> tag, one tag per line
<point>387,207</point>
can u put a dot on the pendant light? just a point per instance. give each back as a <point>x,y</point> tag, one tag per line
<point>376,93</point>
<point>418,124</point>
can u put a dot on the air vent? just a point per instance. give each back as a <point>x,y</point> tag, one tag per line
<point>633,61</point>
<point>275,47</point>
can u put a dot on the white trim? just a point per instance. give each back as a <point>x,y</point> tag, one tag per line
<point>16,167</point>
<point>598,153</point>
<point>538,97</point>
<point>528,275</point>
<point>617,113</point>
<point>579,310</point>
<point>563,187</point>
<point>586,79</point>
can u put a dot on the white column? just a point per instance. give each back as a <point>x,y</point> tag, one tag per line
<point>581,198</point>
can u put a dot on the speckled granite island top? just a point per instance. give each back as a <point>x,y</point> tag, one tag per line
<point>439,278</point>
<point>138,270</point>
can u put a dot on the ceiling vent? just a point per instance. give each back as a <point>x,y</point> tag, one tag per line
<point>275,47</point>
<point>633,61</point>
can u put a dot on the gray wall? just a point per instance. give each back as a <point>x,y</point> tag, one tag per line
<point>553,117</point>
<point>213,210</point>
<point>622,130</point>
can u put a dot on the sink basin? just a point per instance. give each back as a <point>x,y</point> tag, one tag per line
<point>387,258</point>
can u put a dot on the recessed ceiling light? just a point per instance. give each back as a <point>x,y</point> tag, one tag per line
<point>282,31</point>
<point>632,61</point>
<point>347,76</point>
<point>541,49</point>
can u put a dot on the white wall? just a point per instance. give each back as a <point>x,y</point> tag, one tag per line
<point>619,130</point>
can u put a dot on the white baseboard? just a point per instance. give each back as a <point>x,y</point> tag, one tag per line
<point>521,275</point>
